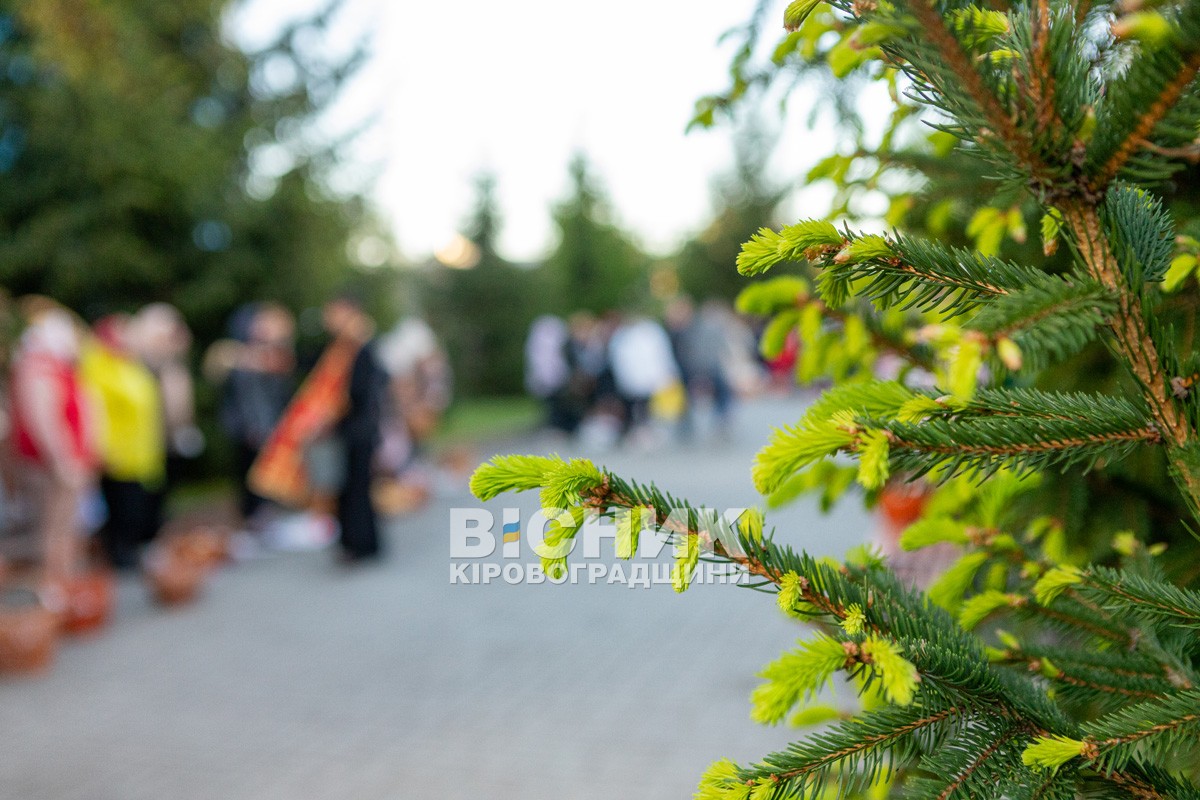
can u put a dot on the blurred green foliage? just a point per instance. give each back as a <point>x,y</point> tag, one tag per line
<point>745,200</point>
<point>144,157</point>
<point>482,305</point>
<point>595,266</point>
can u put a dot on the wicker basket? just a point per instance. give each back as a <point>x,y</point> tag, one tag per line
<point>174,578</point>
<point>28,636</point>
<point>203,546</point>
<point>88,602</point>
<point>901,504</point>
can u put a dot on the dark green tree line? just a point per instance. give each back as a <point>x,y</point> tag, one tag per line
<point>133,145</point>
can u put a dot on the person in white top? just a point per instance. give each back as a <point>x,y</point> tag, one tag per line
<point>642,364</point>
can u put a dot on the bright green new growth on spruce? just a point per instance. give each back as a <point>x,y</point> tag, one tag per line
<point>936,692</point>
<point>1022,672</point>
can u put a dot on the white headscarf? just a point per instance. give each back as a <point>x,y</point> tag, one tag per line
<point>52,333</point>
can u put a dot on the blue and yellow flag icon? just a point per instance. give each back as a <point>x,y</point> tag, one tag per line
<point>512,533</point>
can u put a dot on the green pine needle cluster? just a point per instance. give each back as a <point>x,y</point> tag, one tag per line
<point>1112,704</point>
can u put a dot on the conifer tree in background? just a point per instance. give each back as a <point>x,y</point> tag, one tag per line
<point>482,307</point>
<point>1019,674</point>
<point>595,265</point>
<point>144,158</point>
<point>745,200</point>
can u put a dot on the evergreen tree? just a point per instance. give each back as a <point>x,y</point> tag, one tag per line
<point>745,200</point>
<point>482,308</point>
<point>936,190</point>
<point>1090,689</point>
<point>132,140</point>
<point>595,266</point>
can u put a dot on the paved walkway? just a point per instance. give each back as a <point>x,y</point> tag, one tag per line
<point>293,679</point>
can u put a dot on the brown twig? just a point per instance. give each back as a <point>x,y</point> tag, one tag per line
<point>1142,734</point>
<point>1147,434</point>
<point>1189,153</point>
<point>1135,346</point>
<point>1129,327</point>
<point>1074,680</point>
<point>1154,114</point>
<point>961,67</point>
<point>869,742</point>
<point>987,753</point>
<point>1042,75</point>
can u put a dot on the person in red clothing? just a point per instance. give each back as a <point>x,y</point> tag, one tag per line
<point>52,431</point>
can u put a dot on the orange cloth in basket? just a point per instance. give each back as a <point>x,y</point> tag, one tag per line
<point>279,472</point>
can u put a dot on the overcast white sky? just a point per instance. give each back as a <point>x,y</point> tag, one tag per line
<point>516,87</point>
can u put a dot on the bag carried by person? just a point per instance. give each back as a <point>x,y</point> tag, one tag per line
<point>282,470</point>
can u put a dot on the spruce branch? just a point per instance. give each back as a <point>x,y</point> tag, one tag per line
<point>1042,75</point>
<point>1022,429</point>
<point>909,272</point>
<point>951,711</point>
<point>1114,745</point>
<point>873,745</point>
<point>1063,406</point>
<point>1140,788</point>
<point>959,65</point>
<point>978,762</point>
<point>1096,683</point>
<point>1141,234</point>
<point>981,443</point>
<point>1145,597</point>
<point>782,298</point>
<point>1157,726</point>
<point>1049,320</point>
<point>1137,348</point>
<point>1045,316</point>
<point>1137,137</point>
<point>932,270</point>
<point>1073,621</point>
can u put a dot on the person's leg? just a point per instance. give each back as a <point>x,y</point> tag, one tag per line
<point>356,514</point>
<point>248,502</point>
<point>550,408</point>
<point>60,530</point>
<point>640,411</point>
<point>722,395</point>
<point>122,530</point>
<point>628,413</point>
<point>149,509</point>
<point>686,426</point>
<point>107,535</point>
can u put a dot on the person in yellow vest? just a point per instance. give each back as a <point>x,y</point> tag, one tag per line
<point>132,442</point>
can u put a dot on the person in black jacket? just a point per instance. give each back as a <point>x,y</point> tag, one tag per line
<point>256,388</point>
<point>358,429</point>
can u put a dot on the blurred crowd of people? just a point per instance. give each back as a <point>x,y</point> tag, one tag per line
<point>608,378</point>
<point>98,421</point>
<point>95,422</point>
<point>336,442</point>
